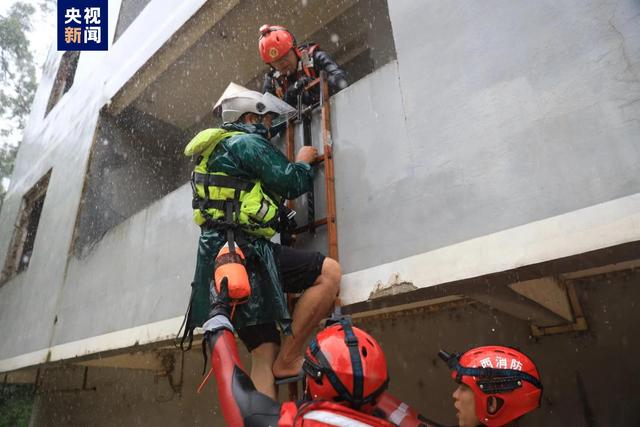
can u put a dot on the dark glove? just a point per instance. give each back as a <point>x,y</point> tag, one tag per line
<point>278,129</point>
<point>291,96</point>
<point>286,220</point>
<point>302,83</point>
<point>219,307</point>
<point>220,301</point>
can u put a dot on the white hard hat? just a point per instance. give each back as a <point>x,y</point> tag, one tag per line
<point>241,103</point>
<point>231,90</point>
<point>237,100</point>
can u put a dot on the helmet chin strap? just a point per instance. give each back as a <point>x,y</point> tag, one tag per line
<point>316,371</point>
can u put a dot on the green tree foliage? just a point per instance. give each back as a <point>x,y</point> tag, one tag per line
<point>16,402</point>
<point>17,69</point>
<point>7,158</point>
<point>17,80</point>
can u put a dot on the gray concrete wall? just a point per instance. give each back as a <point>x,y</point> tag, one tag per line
<point>139,273</point>
<point>498,114</point>
<point>410,340</point>
<point>128,397</point>
<point>31,302</point>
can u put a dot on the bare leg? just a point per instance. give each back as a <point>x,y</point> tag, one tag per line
<point>262,358</point>
<point>314,304</point>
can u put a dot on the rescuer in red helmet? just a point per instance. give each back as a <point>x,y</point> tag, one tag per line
<point>497,385</point>
<point>345,380</point>
<point>293,66</point>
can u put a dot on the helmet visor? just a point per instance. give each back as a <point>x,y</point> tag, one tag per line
<point>277,107</point>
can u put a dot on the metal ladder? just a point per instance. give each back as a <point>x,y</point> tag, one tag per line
<point>325,159</point>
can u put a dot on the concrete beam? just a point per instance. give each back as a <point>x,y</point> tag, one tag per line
<point>210,14</point>
<point>611,268</point>
<point>549,293</point>
<point>424,305</point>
<point>509,302</point>
<point>580,323</point>
<point>146,360</point>
<point>22,376</point>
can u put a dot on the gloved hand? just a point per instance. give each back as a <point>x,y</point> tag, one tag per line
<point>302,83</point>
<point>218,321</point>
<point>277,130</point>
<point>220,302</point>
<point>291,96</point>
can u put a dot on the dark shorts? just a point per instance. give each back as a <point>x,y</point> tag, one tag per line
<point>299,269</point>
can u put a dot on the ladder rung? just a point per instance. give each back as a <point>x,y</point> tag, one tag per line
<point>312,83</point>
<point>309,109</point>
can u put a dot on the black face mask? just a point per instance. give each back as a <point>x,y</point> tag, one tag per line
<point>277,129</point>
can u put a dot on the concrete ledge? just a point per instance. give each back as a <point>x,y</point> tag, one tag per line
<point>584,230</point>
<point>140,335</point>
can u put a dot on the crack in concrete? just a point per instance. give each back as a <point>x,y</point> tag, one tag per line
<point>630,103</point>
<point>623,48</point>
<point>601,57</point>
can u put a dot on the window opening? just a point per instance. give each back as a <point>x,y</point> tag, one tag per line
<point>64,78</point>
<point>136,159</point>
<point>129,11</point>
<point>24,237</point>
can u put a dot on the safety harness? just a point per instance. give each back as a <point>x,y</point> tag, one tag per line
<point>230,206</point>
<point>490,380</point>
<point>323,368</point>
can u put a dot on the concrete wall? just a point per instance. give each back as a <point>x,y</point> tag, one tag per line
<point>599,357</point>
<point>131,397</point>
<point>139,273</point>
<point>31,302</point>
<point>497,114</point>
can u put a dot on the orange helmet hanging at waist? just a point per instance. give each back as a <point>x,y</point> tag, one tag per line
<point>231,264</point>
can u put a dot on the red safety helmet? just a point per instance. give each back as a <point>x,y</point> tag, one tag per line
<point>345,364</point>
<point>500,372</point>
<point>274,43</point>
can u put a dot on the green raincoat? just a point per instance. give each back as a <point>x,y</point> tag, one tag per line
<point>242,151</point>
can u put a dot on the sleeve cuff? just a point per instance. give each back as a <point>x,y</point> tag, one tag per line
<point>216,323</point>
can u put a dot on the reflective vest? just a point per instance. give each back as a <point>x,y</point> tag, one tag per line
<point>221,200</point>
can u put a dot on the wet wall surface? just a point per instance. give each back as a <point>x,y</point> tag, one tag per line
<point>30,304</point>
<point>495,116</point>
